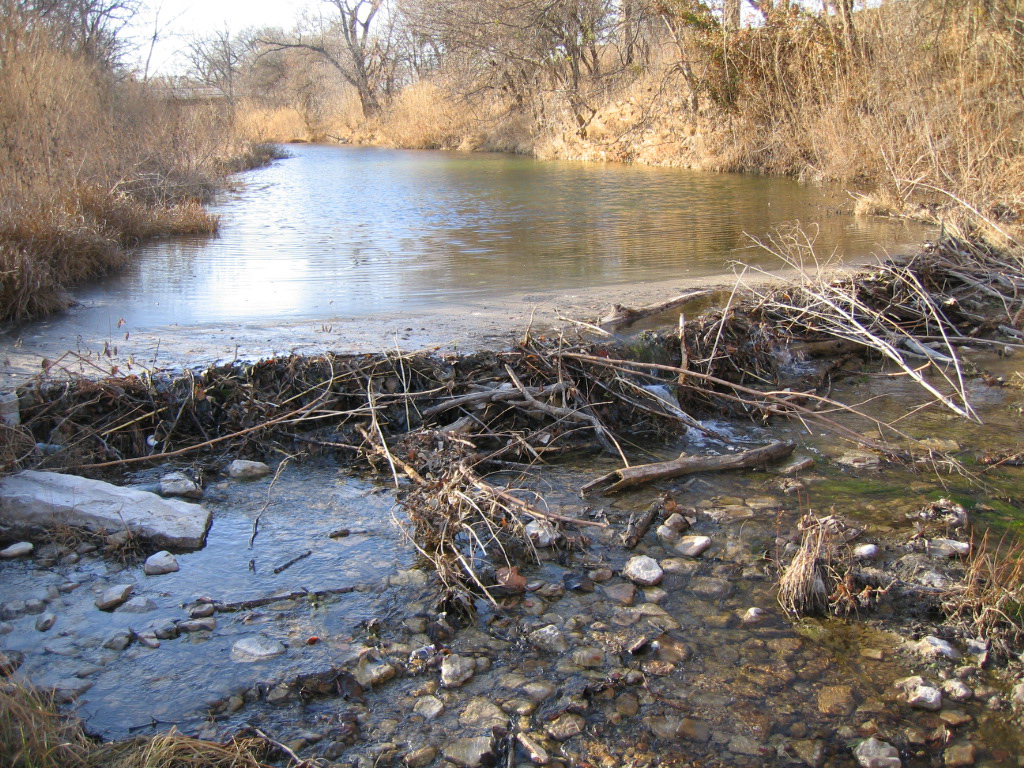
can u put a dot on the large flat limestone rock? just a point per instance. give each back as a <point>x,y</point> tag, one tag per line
<point>31,501</point>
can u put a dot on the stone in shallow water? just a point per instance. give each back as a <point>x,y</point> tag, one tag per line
<point>180,484</point>
<point>32,500</point>
<point>692,546</point>
<point>469,753</point>
<point>160,563</point>
<point>959,755</point>
<point>565,726</point>
<point>247,470</point>
<point>549,638</point>
<point>428,707</point>
<point>643,570</point>
<point>932,646</point>
<point>256,648</point>
<point>114,596</point>
<point>542,533</point>
<point>456,670</point>
<point>137,605</point>
<point>21,549</point>
<point>873,753</point>
<point>481,713</point>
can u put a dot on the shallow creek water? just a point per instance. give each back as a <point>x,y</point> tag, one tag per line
<point>665,675</point>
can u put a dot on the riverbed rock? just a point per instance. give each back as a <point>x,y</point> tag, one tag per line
<point>20,549</point>
<point>420,757</point>
<point>957,690</point>
<point>836,700</point>
<point>118,641</point>
<point>10,409</point>
<point>643,570</point>
<point>549,639</point>
<point>114,596</point>
<point>31,501</point>
<point>536,752</point>
<point>959,755</point>
<point>428,707</point>
<point>622,592</point>
<point>256,648</point>
<point>46,621</point>
<point>949,548</point>
<point>180,484</point>
<point>692,546</point>
<point>932,646</point>
<point>242,469</point>
<point>456,670</point>
<point>542,533</point>
<point>469,752</point>
<point>481,713</point>
<point>369,675</point>
<point>160,563</point>
<point>1017,696</point>
<point>137,605</point>
<point>874,753</point>
<point>565,726</point>
<point>865,551</point>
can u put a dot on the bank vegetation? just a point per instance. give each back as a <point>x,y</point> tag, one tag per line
<point>92,157</point>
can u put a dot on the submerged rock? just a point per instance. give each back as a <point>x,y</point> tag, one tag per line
<point>873,753</point>
<point>32,501</point>
<point>471,752</point>
<point>256,648</point>
<point>456,670</point>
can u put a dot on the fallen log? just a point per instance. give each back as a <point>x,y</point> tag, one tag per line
<point>639,526</point>
<point>627,477</point>
<point>621,316</point>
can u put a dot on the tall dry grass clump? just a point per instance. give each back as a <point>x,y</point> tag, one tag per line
<point>90,163</point>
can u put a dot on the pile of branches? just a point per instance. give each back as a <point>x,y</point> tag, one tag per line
<point>437,425</point>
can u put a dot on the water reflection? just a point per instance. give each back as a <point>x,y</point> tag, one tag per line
<point>354,231</point>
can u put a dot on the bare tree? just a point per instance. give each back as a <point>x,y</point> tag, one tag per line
<point>216,61</point>
<point>355,39</point>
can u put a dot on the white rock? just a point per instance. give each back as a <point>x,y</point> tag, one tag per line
<point>932,646</point>
<point>160,563</point>
<point>865,551</point>
<point>643,570</point>
<point>542,533</point>
<point>180,484</point>
<point>949,548</point>
<point>455,670</point>
<point>21,549</point>
<point>114,596</point>
<point>256,648</point>
<point>754,615</point>
<point>32,500</point>
<point>925,697</point>
<point>677,522</point>
<point>667,535</point>
<point>247,470</point>
<point>692,546</point>
<point>872,753</point>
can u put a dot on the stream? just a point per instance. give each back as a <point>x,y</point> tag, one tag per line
<point>584,667</point>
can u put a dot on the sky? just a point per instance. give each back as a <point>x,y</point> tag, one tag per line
<point>178,20</point>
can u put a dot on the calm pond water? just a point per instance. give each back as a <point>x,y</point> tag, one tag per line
<point>346,231</point>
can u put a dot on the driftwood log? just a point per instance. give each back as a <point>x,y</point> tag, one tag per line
<point>621,317</point>
<point>627,477</point>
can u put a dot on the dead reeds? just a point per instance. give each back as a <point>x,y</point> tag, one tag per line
<point>988,602</point>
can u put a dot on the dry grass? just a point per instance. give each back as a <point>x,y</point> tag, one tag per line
<point>989,601</point>
<point>807,582</point>
<point>34,735</point>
